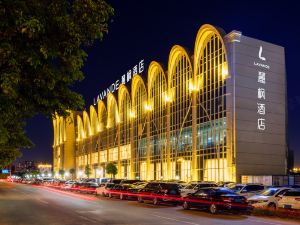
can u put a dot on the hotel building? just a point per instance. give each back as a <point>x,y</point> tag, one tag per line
<point>215,115</point>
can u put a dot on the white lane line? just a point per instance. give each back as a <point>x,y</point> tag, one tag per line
<point>42,201</point>
<point>181,221</point>
<point>265,222</point>
<point>88,219</point>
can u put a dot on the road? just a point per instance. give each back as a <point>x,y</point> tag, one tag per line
<point>25,204</point>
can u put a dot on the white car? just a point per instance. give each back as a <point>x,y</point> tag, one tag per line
<point>247,190</point>
<point>290,199</point>
<point>268,198</point>
<point>68,184</point>
<point>104,190</point>
<point>193,187</point>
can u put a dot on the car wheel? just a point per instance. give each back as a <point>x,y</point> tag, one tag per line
<point>213,209</point>
<point>140,199</point>
<point>272,206</point>
<point>186,205</point>
<point>155,201</point>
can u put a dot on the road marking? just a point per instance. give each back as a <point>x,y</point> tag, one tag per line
<point>40,200</point>
<point>265,222</point>
<point>88,219</point>
<point>181,221</point>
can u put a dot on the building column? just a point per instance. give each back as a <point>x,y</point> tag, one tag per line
<point>132,149</point>
<point>119,148</point>
<point>194,173</point>
<point>148,147</point>
<point>169,169</point>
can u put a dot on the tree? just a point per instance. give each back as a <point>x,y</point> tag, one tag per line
<point>7,156</point>
<point>42,52</point>
<point>111,169</point>
<point>61,172</point>
<point>87,171</point>
<point>72,171</point>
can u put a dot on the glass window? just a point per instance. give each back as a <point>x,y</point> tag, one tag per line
<point>269,192</point>
<point>293,193</point>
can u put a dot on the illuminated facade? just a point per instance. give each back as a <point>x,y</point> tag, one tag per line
<point>186,122</point>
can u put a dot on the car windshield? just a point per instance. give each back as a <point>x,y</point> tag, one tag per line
<point>110,185</point>
<point>128,181</point>
<point>190,186</point>
<point>168,186</point>
<point>224,191</point>
<point>236,188</point>
<point>269,192</point>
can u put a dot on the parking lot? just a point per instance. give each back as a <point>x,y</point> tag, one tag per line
<point>35,204</point>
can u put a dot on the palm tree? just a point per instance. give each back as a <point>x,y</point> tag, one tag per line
<point>72,171</point>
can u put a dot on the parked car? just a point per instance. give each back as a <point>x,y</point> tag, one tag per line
<point>268,198</point>
<point>116,190</point>
<point>88,187</point>
<point>126,190</point>
<point>131,191</point>
<point>104,190</point>
<point>215,199</point>
<point>247,190</point>
<point>115,181</point>
<point>160,192</point>
<point>193,187</point>
<point>102,181</point>
<point>290,199</point>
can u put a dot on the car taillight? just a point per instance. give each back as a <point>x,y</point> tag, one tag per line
<point>297,199</point>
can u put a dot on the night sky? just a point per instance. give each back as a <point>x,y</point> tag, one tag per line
<point>141,30</point>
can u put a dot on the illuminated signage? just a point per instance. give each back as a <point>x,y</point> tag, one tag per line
<point>260,64</point>
<point>125,78</point>
<point>5,171</point>
<point>261,91</point>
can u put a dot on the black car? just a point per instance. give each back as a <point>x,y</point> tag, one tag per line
<point>129,181</point>
<point>216,198</point>
<point>115,190</point>
<point>160,192</point>
<point>89,187</point>
<point>127,190</point>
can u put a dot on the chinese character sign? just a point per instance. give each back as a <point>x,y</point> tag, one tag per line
<point>125,78</point>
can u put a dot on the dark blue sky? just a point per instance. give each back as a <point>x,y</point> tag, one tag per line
<point>149,29</point>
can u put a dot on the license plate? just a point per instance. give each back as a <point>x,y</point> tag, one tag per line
<point>287,206</point>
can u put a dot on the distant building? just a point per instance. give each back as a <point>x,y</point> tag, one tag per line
<point>25,166</point>
<point>215,115</point>
<point>45,168</point>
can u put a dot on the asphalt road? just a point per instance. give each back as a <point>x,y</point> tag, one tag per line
<point>25,204</point>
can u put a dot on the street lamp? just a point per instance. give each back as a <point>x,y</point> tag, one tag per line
<point>80,173</point>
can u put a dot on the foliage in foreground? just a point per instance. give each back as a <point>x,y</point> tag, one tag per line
<point>41,56</point>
